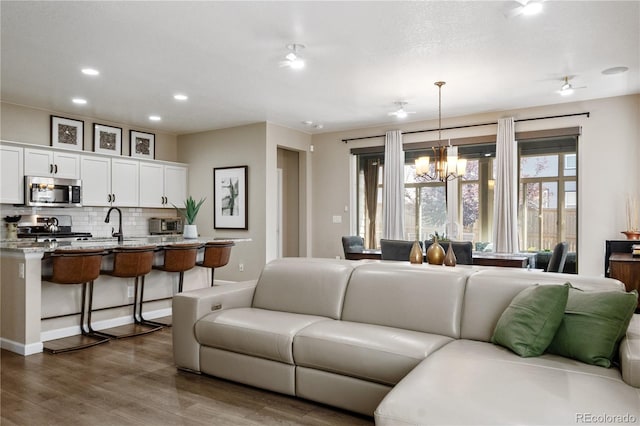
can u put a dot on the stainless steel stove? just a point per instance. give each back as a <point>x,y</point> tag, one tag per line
<point>49,228</point>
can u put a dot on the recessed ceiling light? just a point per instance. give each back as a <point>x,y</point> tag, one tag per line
<point>155,118</point>
<point>615,70</point>
<point>180,97</point>
<point>79,101</point>
<point>532,8</point>
<point>90,71</point>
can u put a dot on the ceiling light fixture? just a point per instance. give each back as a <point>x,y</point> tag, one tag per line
<point>566,89</point>
<point>155,118</point>
<point>442,159</point>
<point>401,112</point>
<point>79,101</point>
<point>615,70</point>
<point>180,97</point>
<point>90,71</point>
<point>532,8</point>
<point>293,59</point>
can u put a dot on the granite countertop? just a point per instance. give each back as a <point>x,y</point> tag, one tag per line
<point>31,246</point>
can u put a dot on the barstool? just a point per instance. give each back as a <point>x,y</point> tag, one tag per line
<point>77,267</point>
<point>216,255</point>
<point>132,262</point>
<point>177,258</point>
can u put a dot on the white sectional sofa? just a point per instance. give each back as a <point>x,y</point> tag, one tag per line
<point>407,344</point>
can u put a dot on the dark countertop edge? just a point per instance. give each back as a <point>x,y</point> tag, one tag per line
<point>106,244</point>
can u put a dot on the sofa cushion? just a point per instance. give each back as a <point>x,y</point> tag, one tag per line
<point>593,325</point>
<point>425,298</point>
<point>531,320</point>
<point>371,352</point>
<point>489,292</point>
<point>303,286</point>
<point>256,332</point>
<point>476,383</point>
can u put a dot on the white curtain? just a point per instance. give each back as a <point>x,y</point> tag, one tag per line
<point>393,188</point>
<point>505,205</point>
<point>453,228</point>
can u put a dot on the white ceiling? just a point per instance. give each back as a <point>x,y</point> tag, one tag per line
<point>361,57</point>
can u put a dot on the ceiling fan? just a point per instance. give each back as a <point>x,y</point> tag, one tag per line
<point>401,112</point>
<point>567,88</point>
<point>526,7</point>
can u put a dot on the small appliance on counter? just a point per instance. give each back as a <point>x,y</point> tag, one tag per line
<point>49,228</point>
<point>165,225</point>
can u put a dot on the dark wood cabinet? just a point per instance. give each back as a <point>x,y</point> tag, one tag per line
<point>626,268</point>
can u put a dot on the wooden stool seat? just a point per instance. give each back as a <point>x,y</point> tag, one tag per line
<point>216,255</point>
<point>77,267</point>
<point>132,262</point>
<point>177,258</point>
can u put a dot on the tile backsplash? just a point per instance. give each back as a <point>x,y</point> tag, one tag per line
<point>135,220</point>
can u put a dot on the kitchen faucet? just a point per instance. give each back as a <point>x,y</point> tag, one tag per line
<point>119,233</point>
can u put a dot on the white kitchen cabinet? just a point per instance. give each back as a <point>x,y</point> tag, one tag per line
<point>162,185</point>
<point>45,162</point>
<point>109,181</point>
<point>11,175</point>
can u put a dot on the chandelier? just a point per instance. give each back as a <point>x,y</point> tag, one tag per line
<point>447,166</point>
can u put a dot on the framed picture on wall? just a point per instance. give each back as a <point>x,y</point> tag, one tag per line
<point>107,139</point>
<point>143,145</point>
<point>67,133</point>
<point>230,207</point>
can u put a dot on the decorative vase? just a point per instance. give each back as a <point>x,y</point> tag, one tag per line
<point>416,253</point>
<point>450,257</point>
<point>632,235</point>
<point>190,231</point>
<point>435,253</point>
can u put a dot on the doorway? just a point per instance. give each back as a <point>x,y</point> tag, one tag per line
<point>288,228</point>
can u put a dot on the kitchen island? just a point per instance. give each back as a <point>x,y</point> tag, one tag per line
<point>33,311</point>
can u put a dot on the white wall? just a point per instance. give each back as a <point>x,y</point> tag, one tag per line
<point>32,125</point>
<point>256,146</point>
<point>608,155</point>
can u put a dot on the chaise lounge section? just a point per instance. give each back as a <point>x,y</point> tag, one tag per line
<point>407,344</point>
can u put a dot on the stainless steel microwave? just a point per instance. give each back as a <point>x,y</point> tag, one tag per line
<point>42,191</point>
<point>165,225</point>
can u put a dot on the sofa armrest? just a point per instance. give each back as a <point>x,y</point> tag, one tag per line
<point>190,306</point>
<point>630,353</point>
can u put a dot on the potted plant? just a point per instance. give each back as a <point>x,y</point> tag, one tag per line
<point>189,212</point>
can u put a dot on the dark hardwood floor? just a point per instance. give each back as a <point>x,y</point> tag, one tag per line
<point>134,382</point>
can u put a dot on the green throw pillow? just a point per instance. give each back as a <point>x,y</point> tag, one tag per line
<point>530,321</point>
<point>593,325</point>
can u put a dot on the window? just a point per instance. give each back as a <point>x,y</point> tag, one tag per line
<point>547,199</point>
<point>547,195</point>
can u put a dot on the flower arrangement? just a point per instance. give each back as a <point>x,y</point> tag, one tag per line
<point>190,209</point>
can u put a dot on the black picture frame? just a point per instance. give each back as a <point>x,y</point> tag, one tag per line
<point>107,139</point>
<point>142,144</point>
<point>230,197</point>
<point>67,133</point>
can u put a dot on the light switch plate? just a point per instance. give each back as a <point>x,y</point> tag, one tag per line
<point>337,219</point>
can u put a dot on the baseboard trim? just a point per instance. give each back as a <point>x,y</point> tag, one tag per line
<point>21,348</point>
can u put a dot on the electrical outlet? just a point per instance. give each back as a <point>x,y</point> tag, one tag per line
<point>241,267</point>
<point>130,292</point>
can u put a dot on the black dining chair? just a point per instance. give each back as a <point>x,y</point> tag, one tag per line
<point>397,249</point>
<point>558,257</point>
<point>352,244</point>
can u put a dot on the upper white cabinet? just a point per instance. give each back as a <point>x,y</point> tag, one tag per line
<point>109,181</point>
<point>162,185</point>
<point>11,175</point>
<point>44,162</point>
